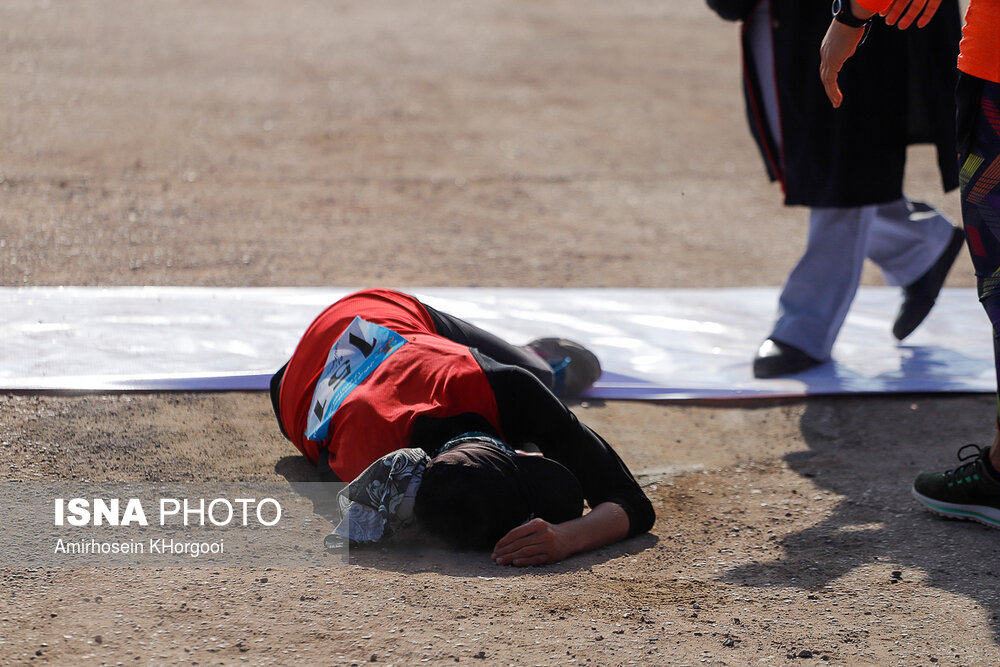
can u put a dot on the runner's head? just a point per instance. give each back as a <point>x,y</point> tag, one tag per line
<point>475,493</point>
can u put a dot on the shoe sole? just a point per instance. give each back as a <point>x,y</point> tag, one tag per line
<point>773,366</point>
<point>765,369</point>
<point>988,516</point>
<point>947,261</point>
<point>587,368</point>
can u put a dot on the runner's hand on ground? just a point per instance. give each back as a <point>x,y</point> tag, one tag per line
<point>533,543</point>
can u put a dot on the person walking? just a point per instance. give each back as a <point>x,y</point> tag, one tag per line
<point>847,167</point>
<point>972,489</point>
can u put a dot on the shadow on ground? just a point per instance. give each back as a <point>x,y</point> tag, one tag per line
<point>868,450</point>
<point>412,553</point>
<point>420,554</point>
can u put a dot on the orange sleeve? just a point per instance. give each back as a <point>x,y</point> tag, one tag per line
<point>877,6</point>
<point>980,47</point>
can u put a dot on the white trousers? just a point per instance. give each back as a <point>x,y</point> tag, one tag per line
<point>903,238</point>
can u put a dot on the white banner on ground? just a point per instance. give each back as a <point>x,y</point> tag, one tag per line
<point>654,344</point>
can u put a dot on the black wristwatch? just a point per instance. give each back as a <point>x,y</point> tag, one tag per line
<point>842,14</point>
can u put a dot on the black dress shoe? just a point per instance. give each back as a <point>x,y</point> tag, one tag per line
<point>775,359</point>
<point>919,296</point>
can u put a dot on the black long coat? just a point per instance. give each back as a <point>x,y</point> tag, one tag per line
<point>899,89</point>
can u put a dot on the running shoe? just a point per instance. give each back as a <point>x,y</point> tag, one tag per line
<point>574,367</point>
<point>967,492</point>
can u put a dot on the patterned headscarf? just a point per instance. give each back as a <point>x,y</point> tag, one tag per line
<point>477,437</point>
<point>379,502</point>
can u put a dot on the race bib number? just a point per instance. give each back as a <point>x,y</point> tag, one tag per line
<point>353,357</point>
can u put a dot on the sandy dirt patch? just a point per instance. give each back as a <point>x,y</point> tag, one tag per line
<point>458,144</point>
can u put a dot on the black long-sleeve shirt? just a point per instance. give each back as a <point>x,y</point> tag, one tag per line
<point>530,413</point>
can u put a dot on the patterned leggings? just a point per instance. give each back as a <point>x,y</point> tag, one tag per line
<point>979,159</point>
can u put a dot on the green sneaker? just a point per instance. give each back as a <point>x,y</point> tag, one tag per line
<point>967,492</point>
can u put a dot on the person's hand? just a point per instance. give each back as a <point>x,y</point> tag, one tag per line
<point>925,9</point>
<point>538,541</point>
<point>839,44</point>
<point>533,543</point>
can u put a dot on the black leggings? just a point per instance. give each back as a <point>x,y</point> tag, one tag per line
<point>492,346</point>
<point>979,143</point>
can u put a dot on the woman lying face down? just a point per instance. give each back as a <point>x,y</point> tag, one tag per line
<point>425,412</point>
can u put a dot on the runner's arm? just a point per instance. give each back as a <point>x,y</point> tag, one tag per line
<point>531,413</point>
<point>538,541</point>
